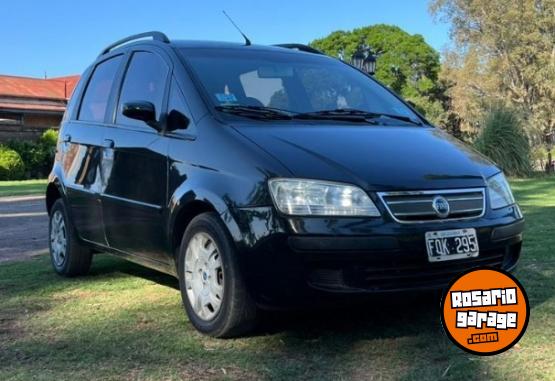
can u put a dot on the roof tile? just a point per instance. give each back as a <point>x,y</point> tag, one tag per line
<point>52,88</point>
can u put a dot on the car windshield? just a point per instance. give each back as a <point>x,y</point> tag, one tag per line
<point>274,82</point>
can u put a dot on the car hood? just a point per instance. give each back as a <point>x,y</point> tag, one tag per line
<point>373,157</point>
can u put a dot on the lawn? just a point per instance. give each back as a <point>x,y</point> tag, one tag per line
<point>125,322</point>
<point>22,188</point>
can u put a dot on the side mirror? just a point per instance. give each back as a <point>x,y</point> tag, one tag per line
<point>411,104</point>
<point>177,121</point>
<point>141,110</point>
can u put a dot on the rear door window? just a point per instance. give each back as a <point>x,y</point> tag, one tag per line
<point>145,80</point>
<point>95,100</point>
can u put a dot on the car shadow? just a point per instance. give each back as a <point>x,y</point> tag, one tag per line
<point>377,316</point>
<point>388,315</point>
<point>408,313</point>
<point>113,264</point>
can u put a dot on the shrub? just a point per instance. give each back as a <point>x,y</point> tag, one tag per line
<point>11,165</point>
<point>503,140</point>
<point>27,153</point>
<point>48,142</point>
<point>49,137</point>
<point>37,156</point>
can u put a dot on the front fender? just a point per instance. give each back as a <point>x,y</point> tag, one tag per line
<point>185,196</point>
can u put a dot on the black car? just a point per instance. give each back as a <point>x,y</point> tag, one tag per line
<point>266,176</point>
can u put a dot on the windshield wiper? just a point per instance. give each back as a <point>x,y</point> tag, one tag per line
<point>345,114</point>
<point>258,112</point>
<point>332,115</point>
<point>354,115</point>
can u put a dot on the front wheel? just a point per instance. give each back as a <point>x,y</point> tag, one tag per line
<point>212,288</point>
<point>69,258</point>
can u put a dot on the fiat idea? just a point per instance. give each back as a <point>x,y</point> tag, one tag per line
<point>265,177</point>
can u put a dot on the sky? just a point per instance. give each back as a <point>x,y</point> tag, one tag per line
<point>62,37</point>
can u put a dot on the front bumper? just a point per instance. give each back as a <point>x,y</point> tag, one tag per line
<point>292,260</point>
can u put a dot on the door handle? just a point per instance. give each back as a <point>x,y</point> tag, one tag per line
<point>108,143</point>
<point>66,138</point>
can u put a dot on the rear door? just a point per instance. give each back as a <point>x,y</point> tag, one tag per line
<point>82,137</point>
<point>135,162</point>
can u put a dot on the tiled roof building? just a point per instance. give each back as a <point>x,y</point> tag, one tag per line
<point>28,106</point>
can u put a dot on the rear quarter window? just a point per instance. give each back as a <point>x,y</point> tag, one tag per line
<point>69,113</point>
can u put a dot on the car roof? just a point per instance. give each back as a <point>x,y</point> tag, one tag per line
<point>283,48</point>
<point>216,45</point>
<point>164,42</point>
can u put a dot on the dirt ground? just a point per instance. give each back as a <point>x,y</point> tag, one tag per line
<point>23,227</point>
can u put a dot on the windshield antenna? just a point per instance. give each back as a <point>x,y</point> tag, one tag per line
<point>247,41</point>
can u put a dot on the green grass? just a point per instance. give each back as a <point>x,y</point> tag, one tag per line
<point>22,188</point>
<point>124,322</point>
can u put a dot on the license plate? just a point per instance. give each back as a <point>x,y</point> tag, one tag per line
<point>446,245</point>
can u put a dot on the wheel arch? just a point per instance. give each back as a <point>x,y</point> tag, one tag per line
<point>189,205</point>
<point>54,192</point>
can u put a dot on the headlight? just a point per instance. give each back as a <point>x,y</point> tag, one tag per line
<point>500,194</point>
<point>320,198</point>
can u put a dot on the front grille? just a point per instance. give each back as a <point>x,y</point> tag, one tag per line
<point>398,276</point>
<point>417,206</point>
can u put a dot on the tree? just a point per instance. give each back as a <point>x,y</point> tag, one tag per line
<point>504,51</point>
<point>406,63</point>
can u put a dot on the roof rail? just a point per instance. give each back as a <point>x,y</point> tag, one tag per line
<point>301,47</point>
<point>156,36</point>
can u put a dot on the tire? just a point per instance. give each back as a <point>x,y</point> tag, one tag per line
<point>224,308</point>
<point>69,258</point>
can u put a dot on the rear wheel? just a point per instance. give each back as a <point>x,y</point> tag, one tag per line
<point>69,258</point>
<point>212,288</point>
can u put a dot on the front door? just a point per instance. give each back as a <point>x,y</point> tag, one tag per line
<point>136,166</point>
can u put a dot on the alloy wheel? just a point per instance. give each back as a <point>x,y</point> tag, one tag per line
<point>58,238</point>
<point>204,277</point>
